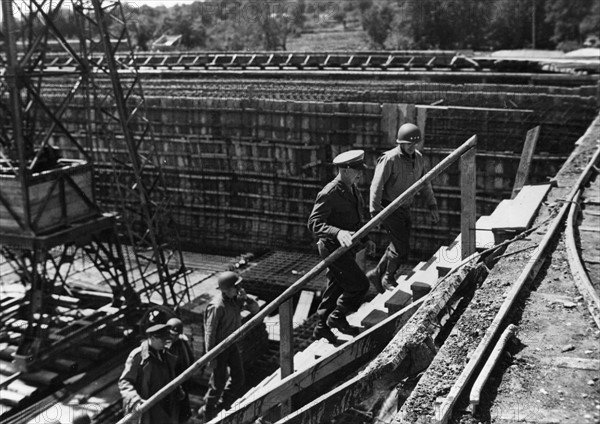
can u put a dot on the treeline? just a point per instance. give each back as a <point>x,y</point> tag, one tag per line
<point>389,24</point>
<point>481,24</point>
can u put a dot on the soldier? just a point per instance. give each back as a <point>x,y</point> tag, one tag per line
<point>396,171</point>
<point>179,347</point>
<point>223,318</point>
<point>148,369</point>
<point>335,217</point>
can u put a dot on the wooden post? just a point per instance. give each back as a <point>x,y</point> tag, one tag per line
<point>421,118</point>
<point>286,346</point>
<point>525,162</point>
<point>468,183</point>
<point>389,123</point>
<point>407,113</point>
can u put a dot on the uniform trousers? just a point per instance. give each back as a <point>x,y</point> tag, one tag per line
<point>347,283</point>
<point>398,226</point>
<point>223,383</point>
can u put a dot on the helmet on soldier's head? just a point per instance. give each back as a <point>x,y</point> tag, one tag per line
<point>228,279</point>
<point>408,133</point>
<point>175,326</point>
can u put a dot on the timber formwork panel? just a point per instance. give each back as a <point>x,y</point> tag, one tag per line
<point>248,169</point>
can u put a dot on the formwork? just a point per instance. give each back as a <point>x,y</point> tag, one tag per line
<point>244,168</point>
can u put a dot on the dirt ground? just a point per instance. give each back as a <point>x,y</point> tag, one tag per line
<point>551,370</point>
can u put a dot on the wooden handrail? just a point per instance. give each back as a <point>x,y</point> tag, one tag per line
<point>300,283</point>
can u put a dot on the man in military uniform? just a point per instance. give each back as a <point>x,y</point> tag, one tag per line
<point>223,318</point>
<point>396,171</point>
<point>335,217</point>
<point>148,369</point>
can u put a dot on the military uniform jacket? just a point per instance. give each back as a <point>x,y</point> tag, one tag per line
<point>223,316</point>
<point>338,207</point>
<point>145,374</point>
<point>394,174</point>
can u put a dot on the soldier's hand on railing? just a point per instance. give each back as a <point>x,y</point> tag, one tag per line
<point>345,238</point>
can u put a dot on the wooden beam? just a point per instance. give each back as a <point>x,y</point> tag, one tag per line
<point>421,119</point>
<point>389,122</point>
<point>303,307</point>
<point>485,373</point>
<point>286,346</point>
<point>525,163</point>
<point>368,343</point>
<point>468,217</point>
<point>383,368</point>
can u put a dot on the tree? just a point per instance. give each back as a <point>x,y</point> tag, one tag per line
<point>377,22</point>
<point>565,16</point>
<point>591,23</point>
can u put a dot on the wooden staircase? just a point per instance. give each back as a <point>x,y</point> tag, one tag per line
<point>382,317</point>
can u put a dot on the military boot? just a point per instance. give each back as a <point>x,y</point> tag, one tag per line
<point>323,331</point>
<point>389,278</point>
<point>338,320</point>
<point>375,279</point>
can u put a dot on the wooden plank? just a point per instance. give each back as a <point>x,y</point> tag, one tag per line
<point>468,180</point>
<point>11,398</point>
<point>491,362</point>
<point>286,343</point>
<point>525,162</point>
<point>303,307</point>
<point>448,258</point>
<point>41,377</point>
<point>571,362</point>
<point>21,388</point>
<point>389,123</point>
<point>517,214</point>
<point>272,324</point>
<point>421,119</point>
<point>484,237</point>
<point>368,342</point>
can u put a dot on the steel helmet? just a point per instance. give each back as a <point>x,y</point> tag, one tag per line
<point>408,133</point>
<point>176,326</point>
<point>228,279</point>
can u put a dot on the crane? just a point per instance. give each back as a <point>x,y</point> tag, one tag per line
<point>49,209</point>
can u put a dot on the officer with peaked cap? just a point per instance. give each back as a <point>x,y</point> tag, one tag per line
<point>222,318</point>
<point>335,217</point>
<point>148,369</point>
<point>396,171</point>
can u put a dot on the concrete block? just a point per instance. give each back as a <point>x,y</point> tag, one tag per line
<point>398,301</point>
<point>374,318</point>
<point>419,289</point>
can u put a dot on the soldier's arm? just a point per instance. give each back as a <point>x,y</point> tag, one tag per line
<point>127,380</point>
<point>211,322</point>
<point>382,173</point>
